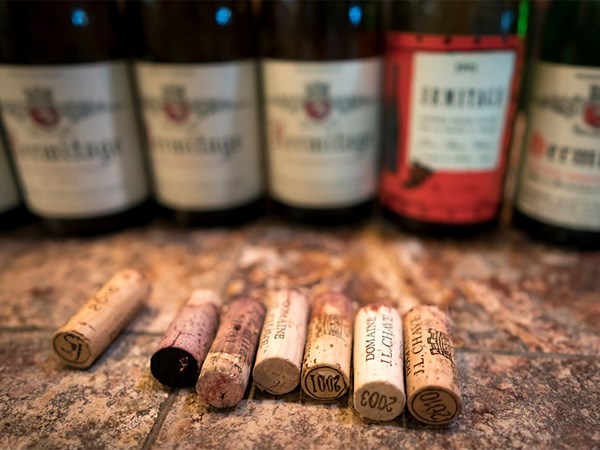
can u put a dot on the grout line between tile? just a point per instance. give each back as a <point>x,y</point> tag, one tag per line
<point>234,260</point>
<point>524,354</point>
<point>25,329</point>
<point>163,412</point>
<point>33,328</point>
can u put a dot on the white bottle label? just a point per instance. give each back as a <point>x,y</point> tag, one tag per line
<point>323,130</point>
<point>9,198</point>
<point>560,177</point>
<point>202,125</point>
<point>74,137</point>
<point>459,104</point>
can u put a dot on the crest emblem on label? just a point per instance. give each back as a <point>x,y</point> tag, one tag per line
<point>317,103</point>
<point>174,104</point>
<point>591,114</point>
<point>537,144</point>
<point>41,108</point>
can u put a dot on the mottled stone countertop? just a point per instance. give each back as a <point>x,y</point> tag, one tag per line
<point>526,317</point>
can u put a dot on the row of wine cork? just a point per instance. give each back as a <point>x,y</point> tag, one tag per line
<point>418,350</point>
<point>217,356</point>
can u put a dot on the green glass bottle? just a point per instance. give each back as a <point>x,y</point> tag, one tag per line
<point>196,66</point>
<point>558,191</point>
<point>68,111</point>
<point>321,73</point>
<point>11,209</point>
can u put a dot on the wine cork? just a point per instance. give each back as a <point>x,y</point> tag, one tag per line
<point>279,356</point>
<point>87,334</point>
<point>378,363</point>
<point>226,370</point>
<point>184,346</point>
<point>431,377</point>
<point>326,365</point>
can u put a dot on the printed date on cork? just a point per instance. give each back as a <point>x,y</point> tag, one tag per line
<point>325,383</point>
<point>435,406</point>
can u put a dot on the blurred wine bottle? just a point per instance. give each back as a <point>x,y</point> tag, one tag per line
<point>197,76</point>
<point>65,94</point>
<point>11,209</point>
<point>322,81</point>
<point>450,89</point>
<point>558,194</point>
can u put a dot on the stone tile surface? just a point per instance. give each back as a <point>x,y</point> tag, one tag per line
<point>45,281</point>
<point>43,404</point>
<point>510,402</point>
<point>504,291</point>
<point>526,324</point>
<point>276,256</point>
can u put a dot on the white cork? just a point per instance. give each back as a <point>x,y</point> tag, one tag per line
<point>281,346</point>
<point>431,377</point>
<point>87,334</point>
<point>378,363</point>
<point>328,353</point>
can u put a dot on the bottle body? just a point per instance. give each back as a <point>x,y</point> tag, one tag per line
<point>68,111</point>
<point>200,107</point>
<point>11,209</point>
<point>322,101</point>
<point>558,192</point>
<point>451,83</point>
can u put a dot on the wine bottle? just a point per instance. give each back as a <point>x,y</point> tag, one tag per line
<point>197,75</point>
<point>321,72</point>
<point>558,194</point>
<point>11,209</point>
<point>67,106</point>
<point>452,73</point>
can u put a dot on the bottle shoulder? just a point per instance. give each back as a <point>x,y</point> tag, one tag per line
<point>459,17</point>
<point>192,32</point>
<point>321,30</point>
<point>89,32</point>
<point>571,33</point>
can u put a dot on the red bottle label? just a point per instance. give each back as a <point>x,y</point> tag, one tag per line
<point>449,103</point>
